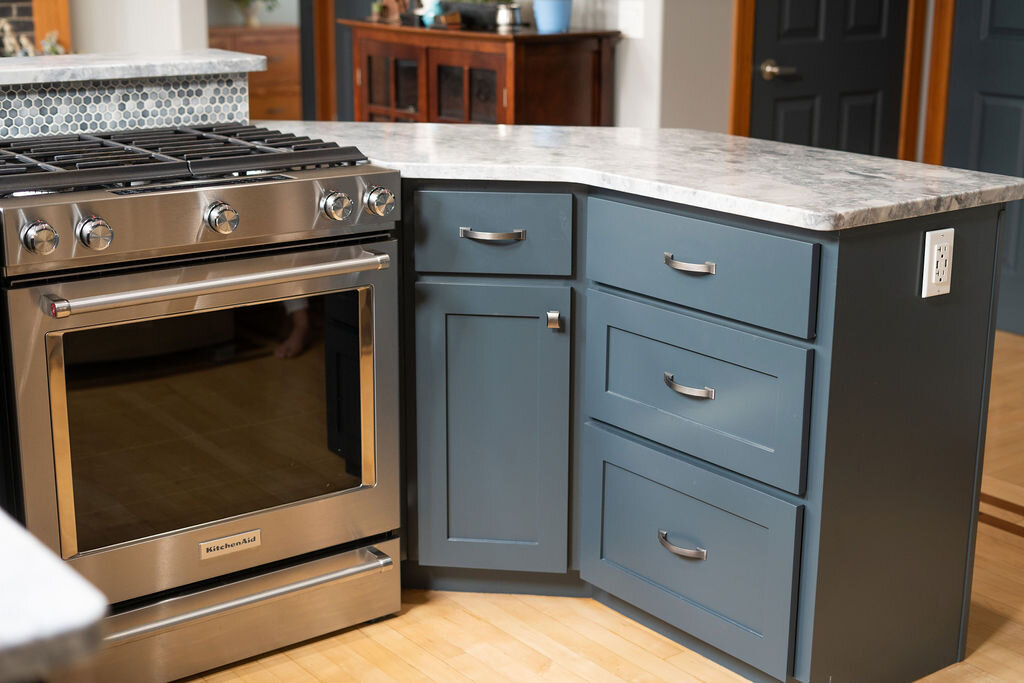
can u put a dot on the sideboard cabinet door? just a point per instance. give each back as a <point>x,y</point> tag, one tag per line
<point>492,414</point>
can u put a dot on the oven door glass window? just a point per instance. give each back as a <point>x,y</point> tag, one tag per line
<point>187,420</point>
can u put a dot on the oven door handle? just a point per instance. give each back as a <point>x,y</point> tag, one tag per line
<point>58,307</point>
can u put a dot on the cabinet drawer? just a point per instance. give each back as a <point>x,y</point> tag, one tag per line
<point>452,231</point>
<point>281,48</point>
<point>739,597</point>
<point>640,359</point>
<point>760,279</point>
<point>275,103</point>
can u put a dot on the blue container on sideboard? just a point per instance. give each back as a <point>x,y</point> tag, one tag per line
<point>552,16</point>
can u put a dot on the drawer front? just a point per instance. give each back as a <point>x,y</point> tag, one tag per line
<point>737,595</point>
<point>275,103</point>
<point>283,57</point>
<point>768,281</point>
<point>729,397</point>
<point>456,232</point>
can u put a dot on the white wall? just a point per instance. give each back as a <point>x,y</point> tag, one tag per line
<point>638,62</point>
<point>696,69</point>
<point>673,64</point>
<point>137,25</point>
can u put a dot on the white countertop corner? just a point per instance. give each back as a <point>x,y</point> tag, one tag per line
<point>94,67</point>
<point>49,614</point>
<point>807,187</point>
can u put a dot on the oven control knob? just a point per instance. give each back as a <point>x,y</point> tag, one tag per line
<point>336,205</point>
<point>95,233</point>
<point>380,201</point>
<point>222,218</point>
<point>39,237</point>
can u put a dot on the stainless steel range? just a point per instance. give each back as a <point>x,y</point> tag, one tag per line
<point>204,374</point>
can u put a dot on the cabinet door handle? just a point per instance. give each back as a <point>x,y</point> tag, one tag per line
<point>554,320</point>
<point>706,268</point>
<point>691,553</point>
<point>706,392</point>
<point>469,233</point>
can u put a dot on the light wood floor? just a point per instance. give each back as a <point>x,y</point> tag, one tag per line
<point>1004,449</point>
<point>443,636</point>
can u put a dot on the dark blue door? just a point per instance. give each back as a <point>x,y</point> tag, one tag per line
<point>840,73</point>
<point>985,121</point>
<point>492,416</point>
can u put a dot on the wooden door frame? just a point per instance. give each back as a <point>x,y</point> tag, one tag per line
<point>743,72</point>
<point>324,60</point>
<point>938,81</point>
<point>52,15</point>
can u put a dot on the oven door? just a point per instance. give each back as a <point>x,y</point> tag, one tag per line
<point>184,423</point>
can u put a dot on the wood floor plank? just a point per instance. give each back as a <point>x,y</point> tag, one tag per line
<point>655,666</point>
<point>494,608</point>
<point>702,668</point>
<point>427,663</point>
<point>639,635</point>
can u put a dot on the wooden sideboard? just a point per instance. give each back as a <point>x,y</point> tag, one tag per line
<point>413,74</point>
<point>277,92</point>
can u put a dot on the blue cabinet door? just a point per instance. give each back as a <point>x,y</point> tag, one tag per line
<point>492,414</point>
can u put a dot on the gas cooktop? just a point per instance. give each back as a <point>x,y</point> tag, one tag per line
<point>92,200</point>
<point>139,157</point>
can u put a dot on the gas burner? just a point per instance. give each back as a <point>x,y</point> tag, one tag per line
<point>125,159</point>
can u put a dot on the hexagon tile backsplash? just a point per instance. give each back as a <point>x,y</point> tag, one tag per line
<point>33,109</point>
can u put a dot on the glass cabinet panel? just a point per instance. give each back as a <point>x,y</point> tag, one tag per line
<point>406,84</point>
<point>379,68</point>
<point>450,104</point>
<point>483,96</point>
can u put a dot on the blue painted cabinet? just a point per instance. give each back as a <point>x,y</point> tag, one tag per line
<point>492,402</point>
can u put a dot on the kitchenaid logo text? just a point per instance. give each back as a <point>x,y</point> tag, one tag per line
<point>229,544</point>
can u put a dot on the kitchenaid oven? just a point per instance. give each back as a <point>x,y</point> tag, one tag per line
<point>205,384</point>
<point>164,441</point>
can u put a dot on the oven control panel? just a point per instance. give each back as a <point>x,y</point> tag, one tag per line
<point>77,229</point>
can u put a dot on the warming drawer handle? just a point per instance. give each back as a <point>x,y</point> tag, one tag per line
<point>516,235</point>
<point>62,308</point>
<point>706,268</point>
<point>378,563</point>
<point>694,392</point>
<point>690,553</point>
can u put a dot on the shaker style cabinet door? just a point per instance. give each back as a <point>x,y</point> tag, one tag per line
<point>492,413</point>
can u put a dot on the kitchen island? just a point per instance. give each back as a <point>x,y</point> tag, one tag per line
<point>699,371</point>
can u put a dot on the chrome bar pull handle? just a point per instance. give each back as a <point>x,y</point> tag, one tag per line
<point>554,320</point>
<point>376,562</point>
<point>706,392</point>
<point>706,268</point>
<point>770,69</point>
<point>690,553</point>
<point>58,307</point>
<point>515,235</point>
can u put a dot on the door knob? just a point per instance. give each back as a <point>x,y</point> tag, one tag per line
<point>769,70</point>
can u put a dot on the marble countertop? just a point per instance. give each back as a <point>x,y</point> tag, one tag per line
<point>49,615</point>
<point>93,67</point>
<point>808,187</point>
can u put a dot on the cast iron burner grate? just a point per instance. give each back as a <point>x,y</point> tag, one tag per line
<point>64,162</point>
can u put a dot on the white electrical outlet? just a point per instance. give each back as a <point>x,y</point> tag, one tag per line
<point>938,262</point>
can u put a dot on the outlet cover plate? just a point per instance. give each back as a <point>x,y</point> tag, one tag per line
<point>938,263</point>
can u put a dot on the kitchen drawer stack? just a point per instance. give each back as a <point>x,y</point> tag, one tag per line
<point>673,402</point>
<point>277,92</point>
<point>706,552</point>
